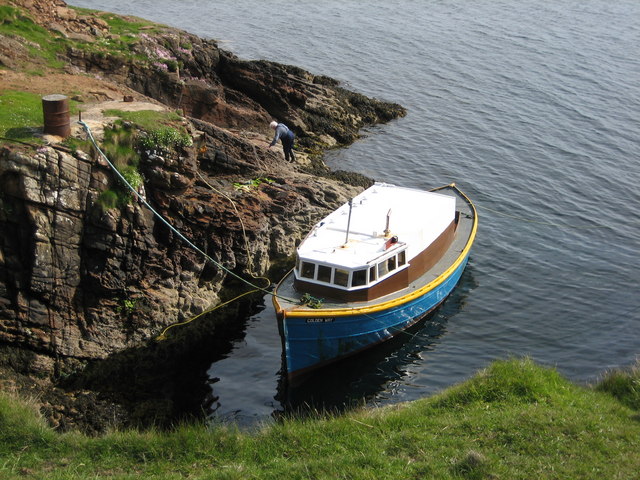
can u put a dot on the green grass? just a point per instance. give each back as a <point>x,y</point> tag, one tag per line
<point>45,45</point>
<point>128,26</point>
<point>20,115</point>
<point>40,42</point>
<point>119,147</point>
<point>147,130</point>
<point>124,33</point>
<point>78,144</point>
<point>514,420</point>
<point>147,119</point>
<point>108,199</point>
<point>163,130</point>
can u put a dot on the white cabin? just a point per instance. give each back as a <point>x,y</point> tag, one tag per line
<point>359,246</point>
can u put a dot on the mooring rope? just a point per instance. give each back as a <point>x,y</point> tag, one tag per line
<point>163,335</point>
<point>169,225</point>
<point>244,231</point>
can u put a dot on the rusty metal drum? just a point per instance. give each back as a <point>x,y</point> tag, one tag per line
<point>56,115</point>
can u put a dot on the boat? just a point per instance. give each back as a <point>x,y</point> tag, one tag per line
<point>371,269</point>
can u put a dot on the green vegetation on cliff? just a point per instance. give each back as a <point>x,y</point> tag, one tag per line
<point>514,420</point>
<point>40,43</point>
<point>126,138</point>
<point>46,46</point>
<point>123,34</point>
<point>119,25</point>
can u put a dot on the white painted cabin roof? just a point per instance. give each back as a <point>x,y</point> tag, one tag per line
<point>417,219</point>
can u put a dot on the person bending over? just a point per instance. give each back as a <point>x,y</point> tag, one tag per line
<point>286,136</point>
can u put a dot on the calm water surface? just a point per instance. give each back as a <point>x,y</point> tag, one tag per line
<point>533,108</point>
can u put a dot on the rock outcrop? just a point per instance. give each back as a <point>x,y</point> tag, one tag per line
<point>83,282</point>
<point>79,281</point>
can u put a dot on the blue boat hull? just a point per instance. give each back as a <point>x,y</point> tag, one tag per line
<point>312,342</point>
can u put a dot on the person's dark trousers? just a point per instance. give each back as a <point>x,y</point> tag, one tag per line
<point>287,146</point>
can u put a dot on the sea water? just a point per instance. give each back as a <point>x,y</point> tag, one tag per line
<point>533,109</point>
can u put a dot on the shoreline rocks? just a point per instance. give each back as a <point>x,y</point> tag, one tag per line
<point>81,284</point>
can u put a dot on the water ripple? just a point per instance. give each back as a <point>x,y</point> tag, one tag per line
<point>533,108</point>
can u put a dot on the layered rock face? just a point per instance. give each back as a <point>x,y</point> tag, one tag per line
<point>79,282</point>
<point>82,282</point>
<point>42,208</point>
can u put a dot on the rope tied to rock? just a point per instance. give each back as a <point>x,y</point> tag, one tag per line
<point>143,201</point>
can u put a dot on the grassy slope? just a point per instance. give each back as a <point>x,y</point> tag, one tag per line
<point>45,47</point>
<point>513,420</point>
<point>21,112</point>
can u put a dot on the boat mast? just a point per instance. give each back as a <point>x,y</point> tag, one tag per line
<point>346,240</point>
<point>387,231</point>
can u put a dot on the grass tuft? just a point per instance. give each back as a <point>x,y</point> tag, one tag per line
<point>623,384</point>
<point>505,381</point>
<point>473,466</point>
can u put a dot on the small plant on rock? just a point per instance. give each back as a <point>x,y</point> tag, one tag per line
<point>165,138</point>
<point>251,184</point>
<point>127,306</point>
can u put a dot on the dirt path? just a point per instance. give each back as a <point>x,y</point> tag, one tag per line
<point>94,95</point>
<point>93,114</point>
<point>85,87</point>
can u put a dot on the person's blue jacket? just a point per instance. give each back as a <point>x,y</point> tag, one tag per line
<point>282,131</point>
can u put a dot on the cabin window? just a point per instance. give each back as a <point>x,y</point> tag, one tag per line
<point>359,278</point>
<point>308,270</point>
<point>341,277</point>
<point>388,265</point>
<point>391,263</point>
<point>382,269</point>
<point>324,273</point>
<point>372,274</point>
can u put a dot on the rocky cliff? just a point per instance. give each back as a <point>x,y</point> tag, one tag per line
<point>79,281</point>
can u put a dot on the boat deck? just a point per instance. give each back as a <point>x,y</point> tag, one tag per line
<point>289,299</point>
